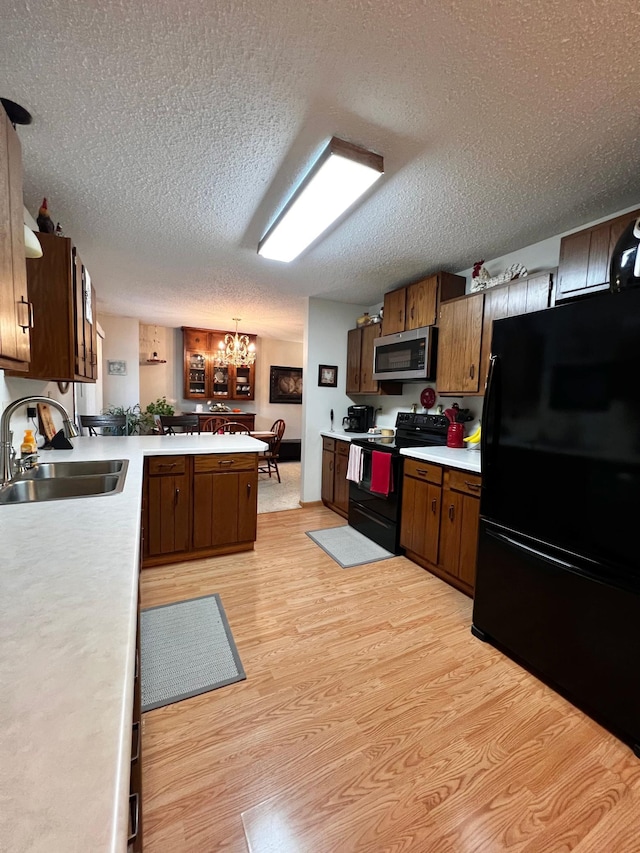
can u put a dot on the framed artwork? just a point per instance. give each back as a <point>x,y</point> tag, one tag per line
<point>285,385</point>
<point>328,375</point>
<point>117,368</point>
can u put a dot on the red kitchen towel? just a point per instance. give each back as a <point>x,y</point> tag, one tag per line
<point>381,473</point>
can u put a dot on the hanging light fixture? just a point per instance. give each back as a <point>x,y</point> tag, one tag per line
<point>155,359</point>
<point>236,349</point>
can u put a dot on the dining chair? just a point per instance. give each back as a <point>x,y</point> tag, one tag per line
<point>174,424</point>
<point>104,424</point>
<point>268,460</point>
<point>213,424</point>
<point>234,426</point>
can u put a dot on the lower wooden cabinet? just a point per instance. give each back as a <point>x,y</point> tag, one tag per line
<point>198,506</point>
<point>440,514</point>
<point>335,486</point>
<point>225,500</point>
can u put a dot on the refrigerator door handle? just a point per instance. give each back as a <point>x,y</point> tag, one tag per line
<point>489,409</point>
<point>522,547</point>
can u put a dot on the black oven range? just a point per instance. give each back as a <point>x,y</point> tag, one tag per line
<point>374,514</point>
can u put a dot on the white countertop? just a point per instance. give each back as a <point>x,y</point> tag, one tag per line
<point>68,608</point>
<point>466,460</point>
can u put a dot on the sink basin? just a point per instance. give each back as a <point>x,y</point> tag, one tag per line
<point>55,470</point>
<point>60,488</point>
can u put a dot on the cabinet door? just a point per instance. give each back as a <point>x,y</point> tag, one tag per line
<point>328,475</point>
<point>14,306</point>
<point>459,345</point>
<point>519,297</point>
<point>196,375</point>
<point>421,303</point>
<point>420,525</point>
<point>394,311</point>
<point>247,506</point>
<point>167,528</point>
<point>243,387</point>
<point>224,508</point>
<point>368,385</point>
<point>450,531</point>
<point>354,348</point>
<point>469,540</point>
<point>340,482</point>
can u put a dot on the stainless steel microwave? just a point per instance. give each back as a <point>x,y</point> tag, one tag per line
<point>406,356</point>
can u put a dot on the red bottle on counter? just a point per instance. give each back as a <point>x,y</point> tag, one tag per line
<point>455,434</point>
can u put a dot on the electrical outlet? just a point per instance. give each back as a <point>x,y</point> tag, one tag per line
<point>31,411</point>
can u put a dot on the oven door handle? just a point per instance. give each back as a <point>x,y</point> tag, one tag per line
<point>376,519</point>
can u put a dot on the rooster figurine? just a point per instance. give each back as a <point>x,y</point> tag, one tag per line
<point>45,223</point>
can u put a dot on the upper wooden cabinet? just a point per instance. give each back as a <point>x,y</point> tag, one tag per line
<point>416,305</point>
<point>15,309</point>
<point>459,344</point>
<point>204,378</point>
<point>466,325</point>
<point>360,363</point>
<point>585,257</point>
<point>64,337</point>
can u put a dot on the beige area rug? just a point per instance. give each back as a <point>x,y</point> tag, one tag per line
<point>274,496</point>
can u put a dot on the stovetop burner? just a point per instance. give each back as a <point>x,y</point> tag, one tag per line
<point>412,430</point>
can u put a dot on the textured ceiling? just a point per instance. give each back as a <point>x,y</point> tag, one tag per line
<point>167,135</point>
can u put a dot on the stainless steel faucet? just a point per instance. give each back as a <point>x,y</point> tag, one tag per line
<point>5,433</point>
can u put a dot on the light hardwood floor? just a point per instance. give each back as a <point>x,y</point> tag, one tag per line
<point>371,720</point>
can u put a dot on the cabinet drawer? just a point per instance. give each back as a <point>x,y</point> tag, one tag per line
<point>423,471</point>
<point>221,462</point>
<point>328,444</point>
<point>342,447</point>
<point>463,481</point>
<point>167,464</point>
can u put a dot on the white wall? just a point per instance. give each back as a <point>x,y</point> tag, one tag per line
<point>120,344</point>
<point>158,380</point>
<point>326,327</point>
<point>273,353</point>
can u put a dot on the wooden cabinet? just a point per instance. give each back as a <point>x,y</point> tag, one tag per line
<point>167,506</point>
<point>360,363</point>
<point>440,515</point>
<point>15,309</point>
<point>416,305</point>
<point>204,377</point>
<point>585,257</point>
<point>335,486</point>
<point>459,519</point>
<point>64,336</point>
<point>459,344</point>
<point>198,506</point>
<point>521,296</point>
<point>421,498</point>
<point>225,500</point>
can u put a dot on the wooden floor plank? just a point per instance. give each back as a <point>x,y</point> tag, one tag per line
<point>371,720</point>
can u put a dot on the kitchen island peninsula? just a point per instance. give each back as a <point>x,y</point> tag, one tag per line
<point>68,624</point>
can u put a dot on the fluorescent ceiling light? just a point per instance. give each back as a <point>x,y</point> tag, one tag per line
<point>342,173</point>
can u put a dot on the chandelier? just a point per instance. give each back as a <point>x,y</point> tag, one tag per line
<point>236,349</point>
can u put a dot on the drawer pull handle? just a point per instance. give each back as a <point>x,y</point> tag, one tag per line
<point>472,371</point>
<point>451,512</point>
<point>226,462</point>
<point>166,465</point>
<point>470,485</point>
<point>422,471</point>
<point>136,734</point>
<point>134,810</point>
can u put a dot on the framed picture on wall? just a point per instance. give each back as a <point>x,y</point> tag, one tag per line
<point>285,384</point>
<point>117,368</point>
<point>328,375</point>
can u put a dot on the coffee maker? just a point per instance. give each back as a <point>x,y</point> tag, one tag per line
<point>358,419</point>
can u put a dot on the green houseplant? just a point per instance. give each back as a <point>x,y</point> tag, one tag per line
<point>141,422</point>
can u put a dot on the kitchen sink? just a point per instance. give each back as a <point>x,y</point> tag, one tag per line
<point>56,470</point>
<point>60,488</point>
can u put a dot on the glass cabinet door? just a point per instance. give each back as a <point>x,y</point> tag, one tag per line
<point>243,384</point>
<point>197,374</point>
<point>221,381</point>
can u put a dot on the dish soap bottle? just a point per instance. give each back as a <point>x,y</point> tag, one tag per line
<point>28,446</point>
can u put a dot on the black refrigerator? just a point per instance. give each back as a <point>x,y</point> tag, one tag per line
<point>558,574</point>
